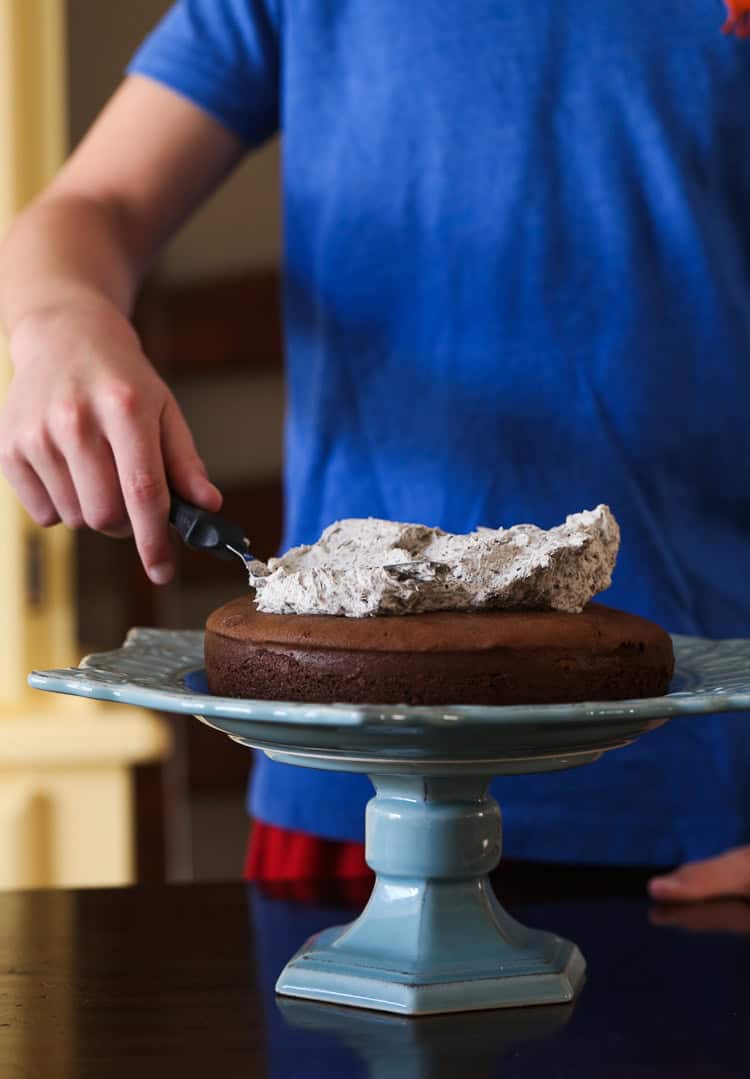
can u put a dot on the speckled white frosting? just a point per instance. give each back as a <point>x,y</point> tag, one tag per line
<point>366,566</point>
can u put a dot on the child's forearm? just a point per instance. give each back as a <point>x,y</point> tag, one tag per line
<point>150,158</point>
<point>65,250</point>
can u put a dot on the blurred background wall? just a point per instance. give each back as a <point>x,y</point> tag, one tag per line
<point>239,227</point>
<point>68,768</point>
<point>209,320</point>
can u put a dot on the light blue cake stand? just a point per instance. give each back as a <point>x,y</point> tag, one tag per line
<point>433,937</point>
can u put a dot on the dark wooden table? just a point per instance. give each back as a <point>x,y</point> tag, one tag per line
<point>177,981</point>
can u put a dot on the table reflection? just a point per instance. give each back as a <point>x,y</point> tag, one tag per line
<point>715,916</point>
<point>428,1047</point>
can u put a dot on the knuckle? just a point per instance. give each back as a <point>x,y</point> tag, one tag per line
<point>70,512</point>
<point>11,454</point>
<point>105,518</point>
<point>69,418</point>
<point>35,443</point>
<point>143,488</point>
<point>120,531</point>
<point>122,398</point>
<point>45,518</point>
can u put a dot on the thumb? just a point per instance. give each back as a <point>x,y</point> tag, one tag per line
<point>185,470</point>
<point>727,874</point>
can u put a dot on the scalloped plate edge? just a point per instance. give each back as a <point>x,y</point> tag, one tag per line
<point>101,676</point>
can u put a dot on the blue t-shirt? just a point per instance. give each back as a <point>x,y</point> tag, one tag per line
<point>517,284</point>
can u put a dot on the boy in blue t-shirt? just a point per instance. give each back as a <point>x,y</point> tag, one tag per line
<point>517,284</point>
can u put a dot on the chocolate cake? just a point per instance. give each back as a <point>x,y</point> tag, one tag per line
<point>439,657</point>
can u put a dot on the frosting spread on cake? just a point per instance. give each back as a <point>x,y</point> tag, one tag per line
<point>367,566</point>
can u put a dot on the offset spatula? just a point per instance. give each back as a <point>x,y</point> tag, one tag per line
<point>204,531</point>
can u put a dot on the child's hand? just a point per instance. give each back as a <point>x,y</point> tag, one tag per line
<point>90,435</point>
<point>727,874</point>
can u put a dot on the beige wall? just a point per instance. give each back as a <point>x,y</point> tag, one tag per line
<point>239,226</point>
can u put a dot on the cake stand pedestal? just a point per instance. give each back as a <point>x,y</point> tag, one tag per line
<point>433,938</point>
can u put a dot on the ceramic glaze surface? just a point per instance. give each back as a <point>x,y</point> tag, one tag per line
<point>433,937</point>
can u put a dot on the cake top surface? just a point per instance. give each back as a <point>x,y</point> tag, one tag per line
<point>368,566</point>
<point>597,629</point>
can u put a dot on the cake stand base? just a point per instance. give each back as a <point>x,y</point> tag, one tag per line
<point>433,937</point>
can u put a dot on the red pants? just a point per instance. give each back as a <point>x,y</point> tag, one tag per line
<point>303,866</point>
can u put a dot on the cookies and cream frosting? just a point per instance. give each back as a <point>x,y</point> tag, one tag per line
<point>367,566</point>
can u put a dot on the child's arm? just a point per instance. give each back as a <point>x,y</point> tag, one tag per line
<point>89,434</point>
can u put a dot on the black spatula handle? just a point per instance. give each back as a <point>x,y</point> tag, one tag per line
<point>206,531</point>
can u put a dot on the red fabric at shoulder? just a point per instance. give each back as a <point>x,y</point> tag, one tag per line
<point>738,20</point>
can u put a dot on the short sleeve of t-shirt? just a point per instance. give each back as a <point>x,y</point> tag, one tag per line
<point>223,56</point>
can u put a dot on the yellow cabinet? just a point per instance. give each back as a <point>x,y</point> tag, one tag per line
<point>66,803</point>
